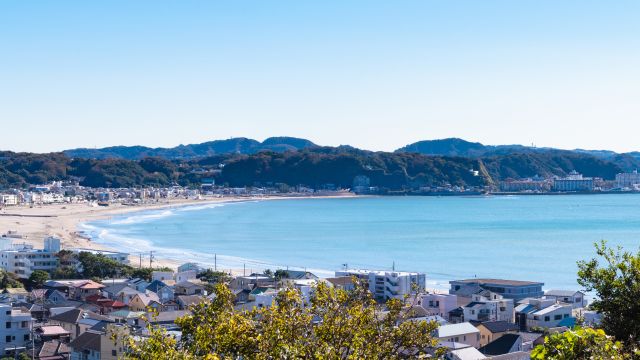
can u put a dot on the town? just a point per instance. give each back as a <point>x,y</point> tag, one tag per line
<point>48,316</point>
<point>61,192</point>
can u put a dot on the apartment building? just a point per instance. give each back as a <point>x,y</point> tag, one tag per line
<point>23,259</point>
<point>509,289</point>
<point>385,285</point>
<point>15,329</point>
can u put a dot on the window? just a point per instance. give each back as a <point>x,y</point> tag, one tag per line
<point>557,317</point>
<point>114,353</point>
<point>547,318</point>
<point>8,325</point>
<point>9,312</point>
<point>7,338</point>
<point>26,337</point>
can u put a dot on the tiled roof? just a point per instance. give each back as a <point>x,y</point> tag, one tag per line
<point>499,326</point>
<point>501,345</point>
<point>86,341</point>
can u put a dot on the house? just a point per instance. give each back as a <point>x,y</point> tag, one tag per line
<point>70,320</point>
<point>142,302</point>
<point>166,319</point>
<point>185,301</point>
<point>54,350</point>
<point>508,343</point>
<point>575,298</point>
<point>79,290</point>
<point>131,318</point>
<point>509,289</point>
<point>165,293</point>
<point>341,282</point>
<point>252,281</point>
<point>52,332</point>
<point>191,287</point>
<point>189,266</point>
<point>161,275</point>
<point>50,296</point>
<point>486,305</point>
<point>459,333</point>
<point>86,347</point>
<point>241,296</point>
<point>465,353</point>
<point>138,284</point>
<point>186,276</point>
<point>492,330</point>
<point>17,294</point>
<point>15,333</point>
<point>439,304</point>
<point>122,292</point>
<point>541,313</point>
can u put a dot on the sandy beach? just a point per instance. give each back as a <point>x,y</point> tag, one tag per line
<point>62,220</point>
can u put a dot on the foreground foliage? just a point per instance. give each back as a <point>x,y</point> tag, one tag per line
<point>617,286</point>
<point>579,344</point>
<point>336,324</point>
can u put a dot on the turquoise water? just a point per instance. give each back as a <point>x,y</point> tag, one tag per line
<point>517,237</point>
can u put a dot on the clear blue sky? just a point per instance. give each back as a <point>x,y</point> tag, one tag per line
<point>373,74</point>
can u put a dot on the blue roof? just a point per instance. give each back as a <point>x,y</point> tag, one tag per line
<point>569,322</point>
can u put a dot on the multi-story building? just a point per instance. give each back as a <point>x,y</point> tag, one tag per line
<point>542,313</point>
<point>8,199</point>
<point>439,304</point>
<point>533,185</point>
<point>385,285</point>
<point>15,332</point>
<point>488,306</point>
<point>23,259</point>
<point>628,180</point>
<point>509,289</point>
<point>573,182</point>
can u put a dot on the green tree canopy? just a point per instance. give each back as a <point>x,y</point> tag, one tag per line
<point>38,278</point>
<point>336,324</point>
<point>577,345</point>
<point>616,283</point>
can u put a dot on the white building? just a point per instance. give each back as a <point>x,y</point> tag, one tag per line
<point>8,200</point>
<point>23,259</point>
<point>573,182</point>
<point>464,333</point>
<point>628,180</point>
<point>385,285</point>
<point>439,304</point>
<point>488,306</point>
<point>575,298</point>
<point>15,332</point>
<point>542,313</point>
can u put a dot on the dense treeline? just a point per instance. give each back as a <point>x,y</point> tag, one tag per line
<point>313,167</point>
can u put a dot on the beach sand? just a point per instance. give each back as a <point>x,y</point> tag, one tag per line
<point>62,220</point>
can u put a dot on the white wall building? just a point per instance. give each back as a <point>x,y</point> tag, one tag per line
<point>628,180</point>
<point>439,304</point>
<point>385,285</point>
<point>573,182</point>
<point>464,333</point>
<point>23,260</point>
<point>120,257</point>
<point>488,306</point>
<point>15,332</point>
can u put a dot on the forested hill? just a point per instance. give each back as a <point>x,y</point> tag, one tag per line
<point>217,147</point>
<point>314,167</point>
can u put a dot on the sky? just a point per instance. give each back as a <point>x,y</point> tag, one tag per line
<point>373,74</point>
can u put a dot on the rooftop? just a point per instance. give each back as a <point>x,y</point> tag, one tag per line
<point>450,330</point>
<point>501,282</point>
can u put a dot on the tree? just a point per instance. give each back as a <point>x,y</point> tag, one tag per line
<point>38,278</point>
<point>335,324</point>
<point>579,344</point>
<point>214,277</point>
<point>617,286</point>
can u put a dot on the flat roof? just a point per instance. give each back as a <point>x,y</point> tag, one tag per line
<point>502,282</point>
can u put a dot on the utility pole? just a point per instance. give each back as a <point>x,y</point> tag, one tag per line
<point>215,262</point>
<point>140,266</point>
<point>244,269</point>
<point>150,259</point>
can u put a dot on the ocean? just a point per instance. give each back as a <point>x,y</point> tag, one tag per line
<point>537,238</point>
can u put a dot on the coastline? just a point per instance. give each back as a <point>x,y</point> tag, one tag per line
<point>64,220</point>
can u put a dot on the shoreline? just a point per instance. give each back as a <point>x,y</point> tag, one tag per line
<point>64,221</point>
